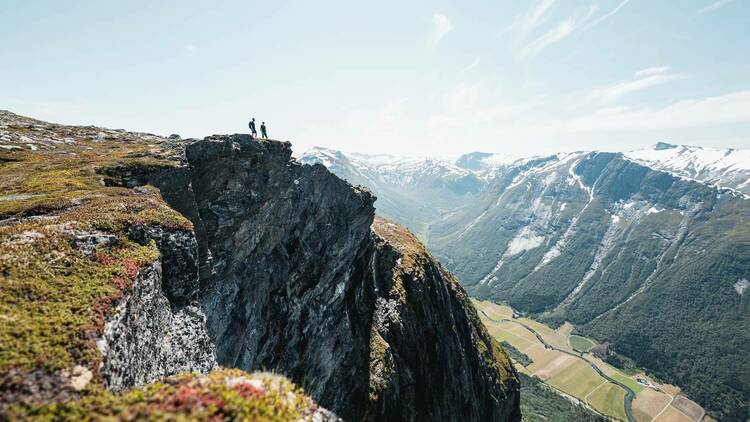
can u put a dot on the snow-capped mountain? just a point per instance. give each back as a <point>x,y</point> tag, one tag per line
<point>642,250</point>
<point>722,167</point>
<point>417,190</point>
<point>411,171</point>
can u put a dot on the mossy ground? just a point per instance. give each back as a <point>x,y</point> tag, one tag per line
<point>53,296</point>
<point>225,394</point>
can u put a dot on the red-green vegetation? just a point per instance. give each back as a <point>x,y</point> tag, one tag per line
<point>226,394</point>
<point>55,291</point>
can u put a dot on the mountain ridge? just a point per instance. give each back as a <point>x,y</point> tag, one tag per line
<point>621,249</point>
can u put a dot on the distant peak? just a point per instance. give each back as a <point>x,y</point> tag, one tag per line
<point>663,145</point>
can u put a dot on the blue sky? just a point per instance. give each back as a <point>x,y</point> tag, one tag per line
<point>426,78</point>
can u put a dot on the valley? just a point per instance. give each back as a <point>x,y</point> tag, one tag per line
<point>586,379</point>
<point>646,251</point>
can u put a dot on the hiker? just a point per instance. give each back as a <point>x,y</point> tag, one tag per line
<point>253,132</point>
<point>263,130</point>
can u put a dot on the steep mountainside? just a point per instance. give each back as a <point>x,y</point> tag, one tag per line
<point>654,264</point>
<point>131,257</point>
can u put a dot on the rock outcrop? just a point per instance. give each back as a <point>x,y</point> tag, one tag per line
<point>363,318</point>
<point>242,258</point>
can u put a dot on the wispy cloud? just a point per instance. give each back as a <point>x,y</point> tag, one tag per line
<point>653,71</point>
<point>525,25</point>
<point>190,48</point>
<point>470,66</point>
<point>644,79</point>
<point>602,18</point>
<point>713,6</point>
<point>728,108</point>
<point>441,26</point>
<point>554,35</point>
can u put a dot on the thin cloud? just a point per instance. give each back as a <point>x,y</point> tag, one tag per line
<point>524,25</point>
<point>441,27</point>
<point>644,79</point>
<point>653,71</point>
<point>554,35</point>
<point>601,19</point>
<point>728,108</point>
<point>190,48</point>
<point>713,6</point>
<point>470,66</point>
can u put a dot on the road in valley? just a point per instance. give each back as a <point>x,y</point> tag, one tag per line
<point>628,402</point>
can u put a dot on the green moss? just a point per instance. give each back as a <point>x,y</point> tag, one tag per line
<point>381,364</point>
<point>495,357</point>
<point>53,297</point>
<point>226,394</point>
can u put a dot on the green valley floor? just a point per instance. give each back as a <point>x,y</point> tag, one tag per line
<point>563,363</point>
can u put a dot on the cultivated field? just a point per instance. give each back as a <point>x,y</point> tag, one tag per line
<point>578,379</point>
<point>608,399</point>
<point>574,375</point>
<point>581,344</point>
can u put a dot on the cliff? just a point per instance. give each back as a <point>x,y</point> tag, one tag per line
<point>130,258</point>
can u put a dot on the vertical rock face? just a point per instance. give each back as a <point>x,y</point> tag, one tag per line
<point>157,328</point>
<point>430,357</point>
<point>295,280</point>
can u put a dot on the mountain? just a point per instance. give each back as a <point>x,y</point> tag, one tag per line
<point>429,186</point>
<point>126,258</point>
<point>652,262</point>
<point>725,168</point>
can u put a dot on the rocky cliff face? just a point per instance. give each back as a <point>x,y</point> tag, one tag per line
<point>298,282</point>
<point>265,264</point>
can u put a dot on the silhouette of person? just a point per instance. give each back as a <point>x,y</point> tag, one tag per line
<point>263,130</point>
<point>251,125</point>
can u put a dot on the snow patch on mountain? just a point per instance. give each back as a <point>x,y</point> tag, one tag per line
<point>728,168</point>
<point>526,239</point>
<point>741,285</point>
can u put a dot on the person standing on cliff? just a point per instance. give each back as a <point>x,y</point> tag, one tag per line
<point>263,132</point>
<point>253,132</point>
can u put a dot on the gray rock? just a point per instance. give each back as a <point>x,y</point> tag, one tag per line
<point>88,242</point>
<point>145,340</point>
<point>294,280</point>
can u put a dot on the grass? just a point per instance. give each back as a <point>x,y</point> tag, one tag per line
<point>581,344</point>
<point>494,310</point>
<point>577,379</point>
<point>54,297</point>
<point>609,399</point>
<point>225,394</point>
<point>502,334</point>
<point>630,382</point>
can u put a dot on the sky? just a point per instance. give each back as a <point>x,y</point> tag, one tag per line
<point>399,77</point>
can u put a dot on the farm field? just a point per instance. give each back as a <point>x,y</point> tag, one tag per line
<point>568,370</point>
<point>630,382</point>
<point>577,379</point>
<point>608,399</point>
<point>581,344</point>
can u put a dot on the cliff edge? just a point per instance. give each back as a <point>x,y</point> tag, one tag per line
<point>129,258</point>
